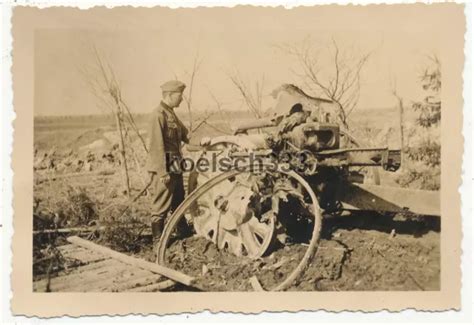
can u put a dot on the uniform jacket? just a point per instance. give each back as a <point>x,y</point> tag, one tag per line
<point>166,133</point>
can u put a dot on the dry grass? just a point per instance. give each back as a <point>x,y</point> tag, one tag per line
<point>77,207</point>
<point>125,232</point>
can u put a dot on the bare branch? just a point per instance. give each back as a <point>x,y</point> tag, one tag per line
<point>336,66</point>
<point>201,122</point>
<point>219,108</point>
<point>253,99</point>
<point>401,121</point>
<point>189,97</point>
<point>339,80</point>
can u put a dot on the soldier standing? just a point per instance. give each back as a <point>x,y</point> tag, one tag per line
<point>167,133</point>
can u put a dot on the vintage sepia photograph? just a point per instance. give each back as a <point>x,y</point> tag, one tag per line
<point>243,149</point>
<point>262,160</point>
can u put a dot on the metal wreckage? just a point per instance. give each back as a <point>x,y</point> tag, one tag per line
<point>295,167</point>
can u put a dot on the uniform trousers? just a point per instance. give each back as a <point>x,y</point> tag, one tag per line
<point>166,198</point>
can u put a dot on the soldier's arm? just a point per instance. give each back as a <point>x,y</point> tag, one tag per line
<point>156,161</point>
<point>185,134</point>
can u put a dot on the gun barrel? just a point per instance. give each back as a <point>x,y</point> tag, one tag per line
<point>255,124</point>
<point>388,159</point>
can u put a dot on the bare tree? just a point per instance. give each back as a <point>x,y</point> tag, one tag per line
<point>430,107</point>
<point>252,96</point>
<point>337,79</point>
<point>105,87</point>
<point>188,98</point>
<point>401,111</point>
<point>112,89</point>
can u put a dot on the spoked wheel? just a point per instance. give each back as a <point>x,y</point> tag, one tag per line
<point>226,215</point>
<point>238,212</point>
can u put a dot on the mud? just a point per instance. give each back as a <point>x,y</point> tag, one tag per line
<point>392,255</point>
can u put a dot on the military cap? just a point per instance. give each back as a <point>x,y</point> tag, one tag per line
<point>173,85</point>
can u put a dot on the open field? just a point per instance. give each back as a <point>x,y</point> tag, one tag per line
<point>77,183</point>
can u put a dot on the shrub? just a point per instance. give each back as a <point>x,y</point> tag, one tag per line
<point>77,208</point>
<point>427,151</point>
<point>125,233</point>
<point>418,175</point>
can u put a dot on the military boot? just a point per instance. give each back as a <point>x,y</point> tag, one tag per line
<point>157,226</point>
<point>184,229</point>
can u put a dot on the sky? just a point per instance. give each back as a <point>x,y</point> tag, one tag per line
<point>147,47</point>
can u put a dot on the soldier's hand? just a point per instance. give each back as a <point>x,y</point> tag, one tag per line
<point>205,141</point>
<point>165,179</point>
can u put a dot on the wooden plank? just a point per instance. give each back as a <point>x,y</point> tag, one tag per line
<point>106,279</point>
<point>82,230</point>
<point>67,230</point>
<point>80,269</point>
<point>69,249</point>
<point>83,276</point>
<point>53,177</point>
<point>101,274</point>
<point>155,268</point>
<point>83,255</point>
<point>140,279</point>
<point>86,258</point>
<point>69,278</point>
<point>111,276</point>
<point>155,287</point>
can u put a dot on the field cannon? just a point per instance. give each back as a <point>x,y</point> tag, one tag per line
<point>272,182</point>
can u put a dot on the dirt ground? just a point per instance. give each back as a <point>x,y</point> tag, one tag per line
<point>365,251</point>
<point>359,252</point>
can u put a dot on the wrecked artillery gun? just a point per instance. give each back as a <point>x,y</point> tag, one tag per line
<point>273,187</point>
